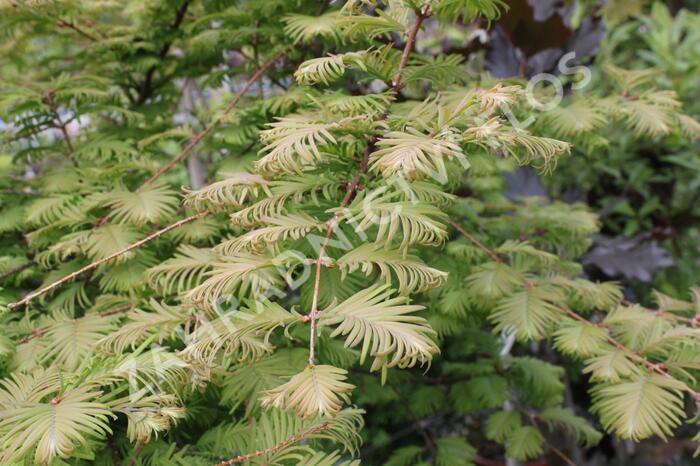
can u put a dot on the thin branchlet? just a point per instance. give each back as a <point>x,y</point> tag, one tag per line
<point>314,313</point>
<point>275,448</point>
<point>95,264</point>
<point>197,138</point>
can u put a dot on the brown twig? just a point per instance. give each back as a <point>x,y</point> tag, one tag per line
<point>116,458</point>
<point>95,264</point>
<point>117,310</point>
<point>554,449</point>
<point>408,48</point>
<point>313,315</point>
<point>650,366</point>
<point>15,270</point>
<point>48,99</point>
<point>184,153</point>
<point>353,186</point>
<point>196,139</point>
<point>76,28</point>
<point>63,23</point>
<point>290,441</point>
<point>62,127</point>
<point>40,332</point>
<point>36,333</point>
<point>476,242</point>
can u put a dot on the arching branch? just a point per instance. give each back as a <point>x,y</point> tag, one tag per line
<point>96,264</point>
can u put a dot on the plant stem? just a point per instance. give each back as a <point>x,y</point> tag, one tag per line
<point>64,131</point>
<point>196,139</point>
<point>76,28</point>
<point>476,242</point>
<point>354,184</point>
<point>97,263</point>
<point>290,441</point>
<point>15,270</point>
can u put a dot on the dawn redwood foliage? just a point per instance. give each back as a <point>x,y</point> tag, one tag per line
<point>352,240</point>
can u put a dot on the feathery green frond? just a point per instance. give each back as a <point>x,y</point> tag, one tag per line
<point>240,334</point>
<point>316,391</point>
<point>292,226</point>
<point>411,273</point>
<point>52,428</point>
<point>574,425</point>
<point>580,339</point>
<point>529,313</point>
<point>163,322</point>
<point>235,190</point>
<point>183,271</point>
<point>327,69</point>
<point>292,143</point>
<point>414,155</point>
<point>525,443</point>
<point>413,223</point>
<point>467,10</point>
<point>385,326</point>
<point>236,274</point>
<point>640,407</point>
<point>303,28</point>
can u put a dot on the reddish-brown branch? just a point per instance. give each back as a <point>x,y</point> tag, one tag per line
<point>476,242</point>
<point>554,449</point>
<point>78,29</point>
<point>137,453</point>
<point>184,153</point>
<point>112,256</point>
<point>15,270</point>
<point>196,139</point>
<point>313,315</point>
<point>48,99</point>
<point>666,314</point>
<point>36,333</point>
<point>40,332</point>
<point>62,127</point>
<point>66,24</point>
<point>408,48</point>
<point>117,310</point>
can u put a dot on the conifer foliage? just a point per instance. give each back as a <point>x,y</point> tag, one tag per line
<point>352,235</point>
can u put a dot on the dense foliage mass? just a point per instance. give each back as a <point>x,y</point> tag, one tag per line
<point>279,232</point>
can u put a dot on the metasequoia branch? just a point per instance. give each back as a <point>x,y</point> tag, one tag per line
<point>76,28</point>
<point>104,260</point>
<point>650,366</point>
<point>15,270</point>
<point>313,315</point>
<point>284,444</point>
<point>196,139</point>
<point>62,23</point>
